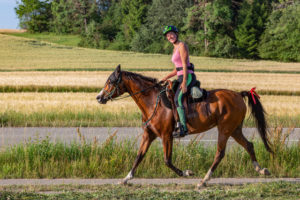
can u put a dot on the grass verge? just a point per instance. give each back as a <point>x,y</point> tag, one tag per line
<point>69,118</point>
<point>271,191</point>
<point>111,159</point>
<point>122,118</point>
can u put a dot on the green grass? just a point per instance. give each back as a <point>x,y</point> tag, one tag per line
<point>67,40</point>
<point>111,159</point>
<point>122,118</point>
<point>269,191</point>
<point>46,52</point>
<point>71,119</point>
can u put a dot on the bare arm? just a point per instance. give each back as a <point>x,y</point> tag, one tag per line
<point>170,75</point>
<point>184,54</point>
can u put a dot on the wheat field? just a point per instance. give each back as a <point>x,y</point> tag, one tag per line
<point>211,80</point>
<point>76,102</point>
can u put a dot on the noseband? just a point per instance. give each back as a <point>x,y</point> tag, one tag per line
<point>116,87</point>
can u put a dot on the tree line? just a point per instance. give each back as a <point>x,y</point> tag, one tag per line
<point>268,29</point>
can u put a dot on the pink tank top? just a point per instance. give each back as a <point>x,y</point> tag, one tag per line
<point>176,59</point>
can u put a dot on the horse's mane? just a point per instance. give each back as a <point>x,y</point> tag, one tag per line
<point>136,76</point>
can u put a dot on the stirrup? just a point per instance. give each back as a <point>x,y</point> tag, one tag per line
<point>177,127</point>
<point>179,132</point>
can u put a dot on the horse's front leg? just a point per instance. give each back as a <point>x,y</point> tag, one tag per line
<point>147,139</point>
<point>168,147</point>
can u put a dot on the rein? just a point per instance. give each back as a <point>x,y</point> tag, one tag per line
<point>157,100</point>
<point>133,94</point>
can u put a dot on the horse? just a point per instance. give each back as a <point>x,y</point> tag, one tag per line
<point>227,111</point>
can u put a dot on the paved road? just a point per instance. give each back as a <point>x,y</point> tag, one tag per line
<point>12,136</point>
<point>222,181</point>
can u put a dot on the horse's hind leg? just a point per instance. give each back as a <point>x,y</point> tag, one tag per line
<point>145,143</point>
<point>240,138</point>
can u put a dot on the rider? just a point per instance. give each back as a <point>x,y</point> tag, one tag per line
<point>185,75</point>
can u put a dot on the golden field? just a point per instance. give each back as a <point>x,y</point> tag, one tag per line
<point>20,53</point>
<point>233,81</point>
<point>59,102</point>
<point>12,30</point>
<point>76,102</point>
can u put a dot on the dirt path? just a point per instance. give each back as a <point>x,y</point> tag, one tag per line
<point>222,181</point>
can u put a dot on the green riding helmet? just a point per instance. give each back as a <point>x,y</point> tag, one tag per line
<point>169,28</point>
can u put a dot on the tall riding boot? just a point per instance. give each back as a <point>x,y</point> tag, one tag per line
<point>183,131</point>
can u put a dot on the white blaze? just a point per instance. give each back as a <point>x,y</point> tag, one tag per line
<point>101,92</point>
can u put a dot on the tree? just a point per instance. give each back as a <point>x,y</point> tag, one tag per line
<point>134,15</point>
<point>86,11</point>
<point>63,18</point>
<point>34,15</point>
<point>281,39</point>
<point>210,25</point>
<point>251,25</point>
<point>73,16</point>
<point>160,14</point>
<point>103,23</point>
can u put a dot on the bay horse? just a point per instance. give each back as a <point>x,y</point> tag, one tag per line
<point>227,111</point>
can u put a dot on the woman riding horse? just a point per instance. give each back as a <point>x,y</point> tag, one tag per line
<point>185,76</point>
<point>227,112</point>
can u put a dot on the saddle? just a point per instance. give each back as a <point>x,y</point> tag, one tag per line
<point>195,95</point>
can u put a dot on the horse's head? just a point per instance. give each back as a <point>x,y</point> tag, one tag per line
<point>113,87</point>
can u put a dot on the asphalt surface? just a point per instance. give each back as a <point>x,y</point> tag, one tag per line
<point>12,135</point>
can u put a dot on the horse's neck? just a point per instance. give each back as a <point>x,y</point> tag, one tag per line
<point>144,100</point>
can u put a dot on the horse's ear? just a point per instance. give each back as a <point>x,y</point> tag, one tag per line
<point>118,70</point>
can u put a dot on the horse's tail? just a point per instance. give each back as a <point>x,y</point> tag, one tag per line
<point>258,112</point>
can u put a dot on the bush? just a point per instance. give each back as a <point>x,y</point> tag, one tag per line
<point>119,43</point>
<point>223,46</point>
<point>92,37</point>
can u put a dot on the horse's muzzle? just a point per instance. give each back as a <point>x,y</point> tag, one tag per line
<point>101,100</point>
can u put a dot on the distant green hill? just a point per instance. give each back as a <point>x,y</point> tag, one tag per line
<point>45,52</point>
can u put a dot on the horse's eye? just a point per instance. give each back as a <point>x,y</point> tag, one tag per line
<point>112,82</point>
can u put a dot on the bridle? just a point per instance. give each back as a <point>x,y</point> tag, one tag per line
<point>117,88</point>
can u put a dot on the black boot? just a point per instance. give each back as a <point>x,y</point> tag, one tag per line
<point>183,131</point>
<point>179,131</point>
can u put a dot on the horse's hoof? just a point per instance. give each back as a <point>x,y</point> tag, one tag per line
<point>188,173</point>
<point>265,171</point>
<point>123,182</point>
<point>201,185</point>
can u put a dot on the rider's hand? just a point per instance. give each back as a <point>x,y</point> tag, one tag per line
<point>163,80</point>
<point>183,88</point>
